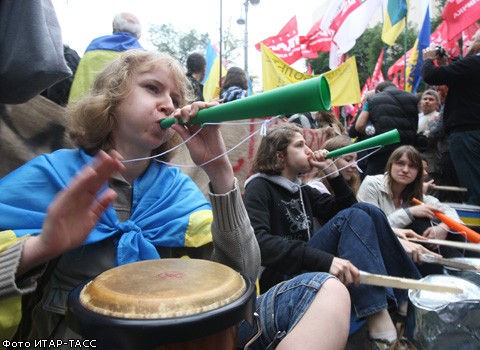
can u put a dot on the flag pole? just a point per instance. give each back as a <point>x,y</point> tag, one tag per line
<point>220,49</point>
<point>405,54</point>
<point>384,64</point>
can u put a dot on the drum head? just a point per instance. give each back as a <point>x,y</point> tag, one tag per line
<point>163,301</point>
<point>162,289</point>
<point>429,300</point>
<point>469,275</point>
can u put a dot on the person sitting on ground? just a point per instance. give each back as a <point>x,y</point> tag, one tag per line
<point>353,237</point>
<point>158,212</point>
<point>75,211</point>
<point>393,193</point>
<point>347,165</point>
<point>349,170</point>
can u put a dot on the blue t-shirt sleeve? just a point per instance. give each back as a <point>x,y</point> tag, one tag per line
<point>366,107</point>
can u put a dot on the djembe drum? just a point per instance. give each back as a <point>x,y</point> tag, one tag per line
<point>444,321</point>
<point>163,304</point>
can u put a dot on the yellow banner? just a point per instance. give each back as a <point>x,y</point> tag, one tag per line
<point>277,73</point>
<point>344,84</point>
<point>343,81</point>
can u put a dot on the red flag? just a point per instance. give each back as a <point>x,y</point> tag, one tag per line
<point>399,65</point>
<point>316,40</point>
<point>377,75</point>
<point>467,35</point>
<point>460,14</point>
<point>286,45</point>
<point>396,82</point>
<point>309,68</point>
<point>440,37</point>
<point>336,111</point>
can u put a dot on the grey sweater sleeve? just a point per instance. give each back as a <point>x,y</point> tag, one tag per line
<point>234,240</point>
<point>9,262</point>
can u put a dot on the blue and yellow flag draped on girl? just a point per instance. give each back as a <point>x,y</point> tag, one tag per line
<point>168,209</point>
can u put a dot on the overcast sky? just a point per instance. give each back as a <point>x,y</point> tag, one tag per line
<point>83,20</point>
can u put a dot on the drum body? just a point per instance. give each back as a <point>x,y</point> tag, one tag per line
<point>444,321</point>
<point>472,276</point>
<point>469,214</point>
<point>163,304</point>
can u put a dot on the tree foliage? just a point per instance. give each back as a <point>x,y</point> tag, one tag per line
<point>167,39</point>
<point>178,44</point>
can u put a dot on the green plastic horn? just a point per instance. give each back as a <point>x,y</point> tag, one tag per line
<point>387,138</point>
<point>308,95</point>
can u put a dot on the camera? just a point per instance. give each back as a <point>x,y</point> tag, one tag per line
<point>440,51</point>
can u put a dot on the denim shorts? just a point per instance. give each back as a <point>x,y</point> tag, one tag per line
<point>281,308</point>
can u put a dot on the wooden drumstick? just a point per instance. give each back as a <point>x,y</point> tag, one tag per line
<point>465,231</point>
<point>405,283</point>
<point>450,188</point>
<point>461,245</point>
<point>449,262</point>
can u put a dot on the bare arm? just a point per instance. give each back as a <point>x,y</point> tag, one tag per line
<point>362,122</point>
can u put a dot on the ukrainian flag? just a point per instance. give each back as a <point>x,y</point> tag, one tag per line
<point>394,21</point>
<point>211,86</point>
<point>414,65</point>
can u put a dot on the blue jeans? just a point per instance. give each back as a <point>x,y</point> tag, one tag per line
<point>362,235</point>
<point>465,152</point>
<point>281,308</point>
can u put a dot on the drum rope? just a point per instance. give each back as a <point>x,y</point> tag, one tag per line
<point>262,131</point>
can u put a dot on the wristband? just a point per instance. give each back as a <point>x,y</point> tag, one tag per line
<point>409,213</point>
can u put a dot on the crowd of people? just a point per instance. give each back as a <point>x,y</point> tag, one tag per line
<point>157,211</point>
<point>305,227</point>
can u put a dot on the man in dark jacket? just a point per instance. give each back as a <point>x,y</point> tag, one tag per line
<point>196,69</point>
<point>461,114</point>
<point>389,108</point>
